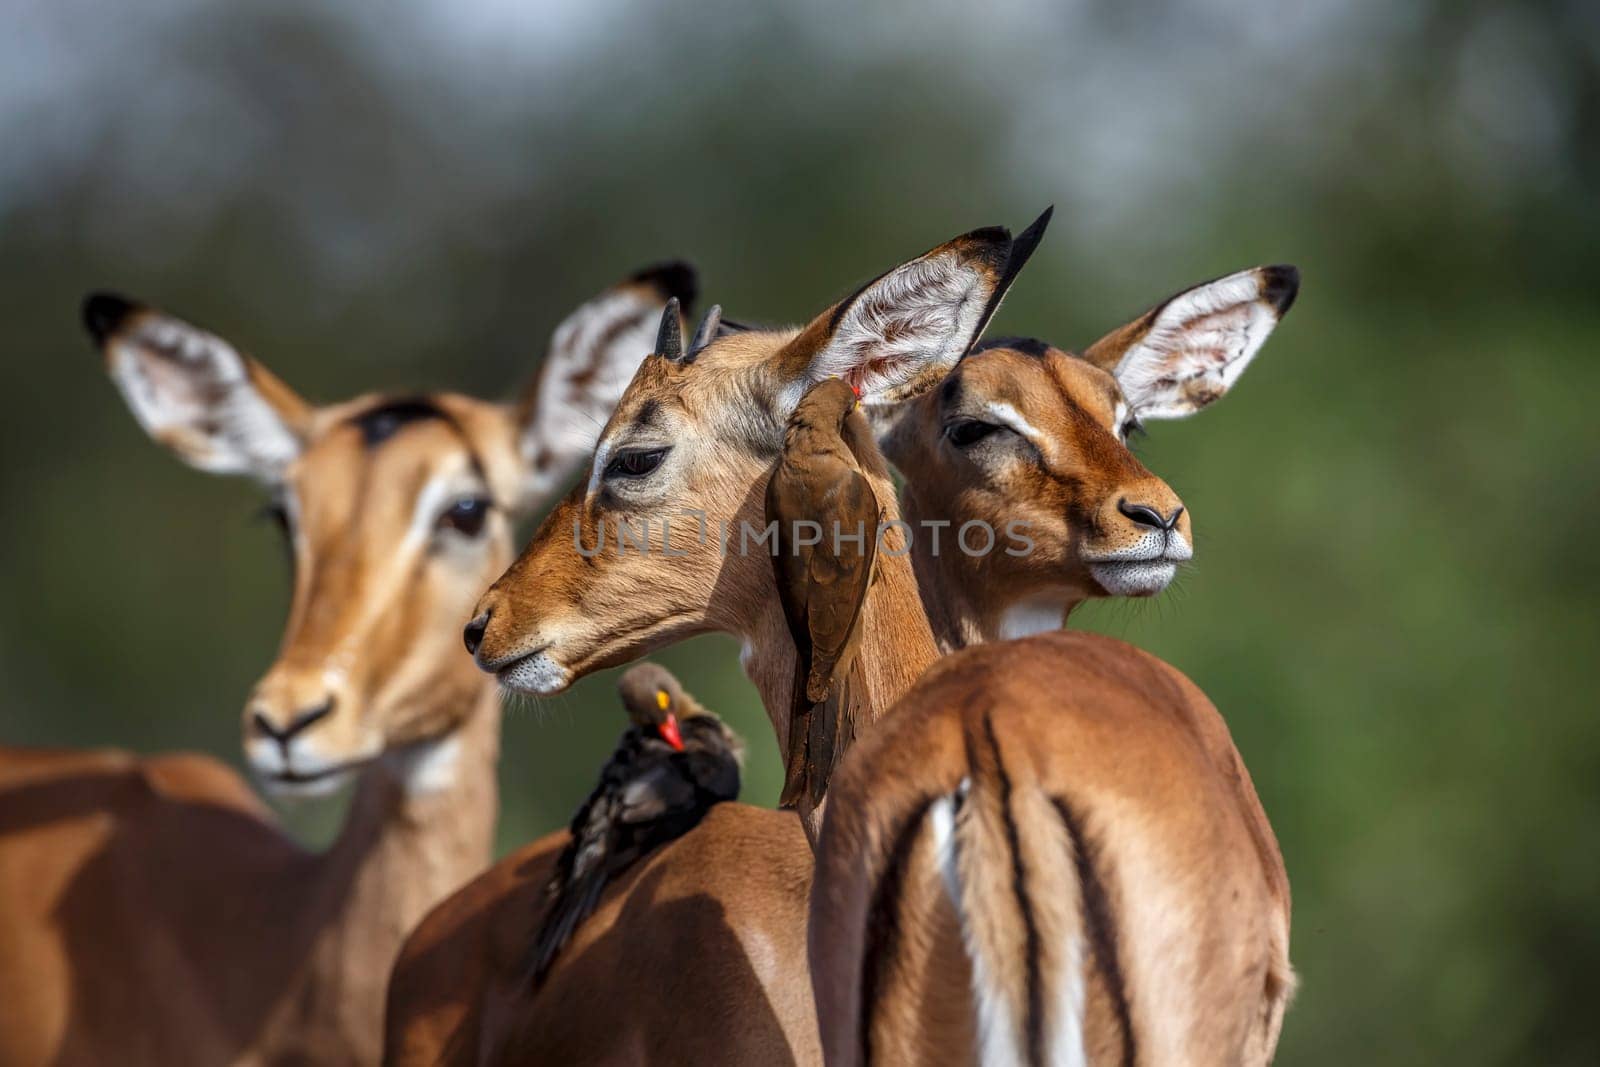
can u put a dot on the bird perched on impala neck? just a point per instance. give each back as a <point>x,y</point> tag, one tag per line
<point>674,761</point>
<point>821,484</point>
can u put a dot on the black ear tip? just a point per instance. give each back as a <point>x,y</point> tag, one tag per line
<point>1037,227</point>
<point>673,279</point>
<point>988,235</point>
<point>1280,284</point>
<point>1029,239</point>
<point>104,312</point>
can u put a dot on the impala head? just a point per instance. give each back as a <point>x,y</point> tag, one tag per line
<point>686,456</point>
<point>398,510</point>
<point>1023,432</point>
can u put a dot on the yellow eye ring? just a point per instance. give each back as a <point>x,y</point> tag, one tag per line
<point>662,700</point>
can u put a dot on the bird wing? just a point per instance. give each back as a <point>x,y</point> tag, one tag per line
<point>589,823</point>
<point>713,758</point>
<point>789,501</point>
<point>648,796</point>
<point>582,869</point>
<point>839,576</point>
<point>822,587</point>
<point>661,790</point>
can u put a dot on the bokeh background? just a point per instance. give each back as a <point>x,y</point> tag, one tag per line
<point>1395,596</point>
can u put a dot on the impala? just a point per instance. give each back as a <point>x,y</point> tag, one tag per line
<point>153,910</point>
<point>710,923</point>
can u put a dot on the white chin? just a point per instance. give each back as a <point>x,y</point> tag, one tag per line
<point>537,674</point>
<point>297,788</point>
<point>1134,578</point>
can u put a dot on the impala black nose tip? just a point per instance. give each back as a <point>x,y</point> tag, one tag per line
<point>1145,515</point>
<point>301,721</point>
<point>472,636</point>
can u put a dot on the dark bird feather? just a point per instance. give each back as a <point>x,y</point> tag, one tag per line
<point>649,794</point>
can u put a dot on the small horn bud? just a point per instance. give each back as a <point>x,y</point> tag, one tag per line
<point>706,332</point>
<point>669,339</point>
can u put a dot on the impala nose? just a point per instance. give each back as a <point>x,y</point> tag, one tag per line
<point>473,634</point>
<point>300,723</point>
<point>1145,515</point>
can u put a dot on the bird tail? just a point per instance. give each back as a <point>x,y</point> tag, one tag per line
<point>820,731</point>
<point>571,905</point>
<point>800,708</point>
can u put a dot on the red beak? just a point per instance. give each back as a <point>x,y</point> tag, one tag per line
<point>669,732</point>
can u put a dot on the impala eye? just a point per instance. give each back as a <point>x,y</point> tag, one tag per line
<point>964,432</point>
<point>635,463</point>
<point>1132,429</point>
<point>467,515</point>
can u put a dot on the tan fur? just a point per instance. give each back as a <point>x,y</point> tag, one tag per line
<point>151,909</point>
<point>1187,890</point>
<point>689,959</point>
<point>157,913</point>
<point>1195,882</point>
<point>741,870</point>
<point>1067,496</point>
<point>717,413</point>
<point>720,415</point>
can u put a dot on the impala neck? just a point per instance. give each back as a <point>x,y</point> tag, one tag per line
<point>426,816</point>
<point>959,594</point>
<point>897,644</point>
<point>420,825</point>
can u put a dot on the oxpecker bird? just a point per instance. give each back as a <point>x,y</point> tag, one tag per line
<point>827,524</point>
<point>674,761</point>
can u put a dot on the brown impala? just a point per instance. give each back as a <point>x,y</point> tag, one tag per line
<point>153,912</point>
<point>708,928</point>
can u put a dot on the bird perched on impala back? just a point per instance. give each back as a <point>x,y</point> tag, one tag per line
<point>675,761</point>
<point>827,516</point>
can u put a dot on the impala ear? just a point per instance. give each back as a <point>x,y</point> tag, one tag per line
<point>216,408</point>
<point>896,336</point>
<point>1186,352</point>
<point>592,356</point>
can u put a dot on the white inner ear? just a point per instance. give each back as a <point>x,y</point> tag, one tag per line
<point>593,356</point>
<point>191,391</point>
<point>920,314</point>
<point>1198,346</point>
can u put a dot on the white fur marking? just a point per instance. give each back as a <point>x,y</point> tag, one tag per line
<point>537,674</point>
<point>997,1030</point>
<point>440,490</point>
<point>432,766</point>
<point>1038,614</point>
<point>942,821</point>
<point>1066,1047</point>
<point>191,388</point>
<point>1012,419</point>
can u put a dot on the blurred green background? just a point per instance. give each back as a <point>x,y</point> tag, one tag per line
<point>1394,601</point>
